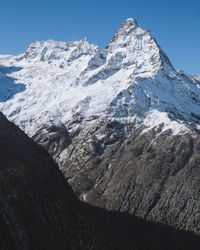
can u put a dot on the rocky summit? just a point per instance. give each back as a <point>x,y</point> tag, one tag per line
<point>122,123</point>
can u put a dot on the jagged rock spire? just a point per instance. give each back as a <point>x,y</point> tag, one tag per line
<point>138,48</point>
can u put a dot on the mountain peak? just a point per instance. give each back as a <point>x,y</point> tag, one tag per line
<point>133,58</point>
<point>128,25</point>
<point>126,28</point>
<point>138,48</point>
<point>56,50</point>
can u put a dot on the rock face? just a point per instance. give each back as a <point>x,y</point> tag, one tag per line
<point>38,210</point>
<point>98,112</point>
<point>155,177</point>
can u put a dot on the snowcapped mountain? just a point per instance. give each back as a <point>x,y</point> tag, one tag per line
<point>83,104</point>
<point>62,82</point>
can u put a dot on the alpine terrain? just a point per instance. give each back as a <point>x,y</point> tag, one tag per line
<point>122,123</point>
<point>38,209</point>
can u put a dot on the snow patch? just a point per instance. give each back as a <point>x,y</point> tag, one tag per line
<point>155,118</point>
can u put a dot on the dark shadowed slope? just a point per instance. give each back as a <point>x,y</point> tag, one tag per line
<point>38,210</point>
<point>129,232</point>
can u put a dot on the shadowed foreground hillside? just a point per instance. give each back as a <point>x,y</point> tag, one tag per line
<point>38,209</point>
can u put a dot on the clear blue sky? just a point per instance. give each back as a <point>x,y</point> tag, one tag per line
<point>174,23</point>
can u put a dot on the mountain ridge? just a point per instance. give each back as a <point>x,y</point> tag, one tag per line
<point>83,105</point>
<point>112,65</point>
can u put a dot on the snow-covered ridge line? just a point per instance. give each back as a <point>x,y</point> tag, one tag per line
<point>197,77</point>
<point>73,83</point>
